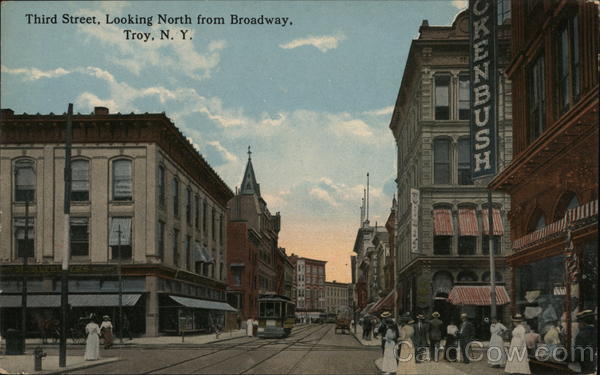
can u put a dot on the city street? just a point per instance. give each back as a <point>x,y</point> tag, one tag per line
<point>311,349</point>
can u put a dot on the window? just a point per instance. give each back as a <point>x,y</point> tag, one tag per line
<point>442,97</point>
<point>213,222</point>
<point>236,275</point>
<point>442,245</point>
<point>24,240</point>
<point>569,66</point>
<point>486,244</point>
<point>221,229</point>
<point>197,212</point>
<point>161,239</point>
<point>24,180</point>
<point>161,185</point>
<point>176,247</point>
<point>503,12</point>
<point>122,182</point>
<point>441,155</point>
<point>80,239</point>
<point>188,252</point>
<point>466,245</point>
<point>188,206</point>
<point>464,102</point>
<point>464,165</point>
<point>204,216</point>
<point>176,197</point>
<point>120,238</point>
<point>80,181</point>
<point>537,98</point>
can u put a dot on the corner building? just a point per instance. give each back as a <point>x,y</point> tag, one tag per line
<point>441,240</point>
<point>553,177</point>
<point>135,173</point>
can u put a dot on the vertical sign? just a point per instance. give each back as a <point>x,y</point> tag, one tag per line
<point>414,220</point>
<point>482,35</point>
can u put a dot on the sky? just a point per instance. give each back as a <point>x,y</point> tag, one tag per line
<point>313,97</point>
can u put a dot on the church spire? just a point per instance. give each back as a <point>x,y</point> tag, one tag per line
<point>249,184</point>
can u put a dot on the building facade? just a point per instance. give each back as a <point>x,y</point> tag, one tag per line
<point>143,200</point>
<point>553,177</point>
<point>441,224</point>
<point>337,297</point>
<point>310,292</point>
<point>369,266</point>
<point>253,253</point>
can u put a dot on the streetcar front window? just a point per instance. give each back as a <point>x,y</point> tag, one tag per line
<point>261,309</point>
<point>270,310</point>
<point>277,309</point>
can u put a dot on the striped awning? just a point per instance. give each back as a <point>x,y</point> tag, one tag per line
<point>387,303</point>
<point>498,226</point>
<point>467,222</point>
<point>202,304</point>
<point>442,222</point>
<point>477,295</point>
<point>574,215</point>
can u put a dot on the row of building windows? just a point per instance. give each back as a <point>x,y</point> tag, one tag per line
<point>442,166</point>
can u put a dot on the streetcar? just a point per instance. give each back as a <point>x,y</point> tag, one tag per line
<point>276,316</point>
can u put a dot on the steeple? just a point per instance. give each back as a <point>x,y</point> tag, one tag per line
<point>249,185</point>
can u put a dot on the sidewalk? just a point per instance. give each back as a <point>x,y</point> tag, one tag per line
<point>358,335</point>
<point>23,364</point>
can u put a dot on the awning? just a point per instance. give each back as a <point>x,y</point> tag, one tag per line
<point>75,300</point>
<point>498,226</point>
<point>477,295</point>
<point>387,303</point>
<point>202,304</point>
<point>442,220</point>
<point>467,222</point>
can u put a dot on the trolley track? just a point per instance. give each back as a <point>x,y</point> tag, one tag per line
<point>238,346</point>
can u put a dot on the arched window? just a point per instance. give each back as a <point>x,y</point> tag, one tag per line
<point>122,180</point>
<point>486,276</point>
<point>80,180</point>
<point>537,221</point>
<point>566,202</point>
<point>441,161</point>
<point>466,276</point>
<point>24,180</point>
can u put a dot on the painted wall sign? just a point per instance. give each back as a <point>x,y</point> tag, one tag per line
<point>414,220</point>
<point>482,35</point>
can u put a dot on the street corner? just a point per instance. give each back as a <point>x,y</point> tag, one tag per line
<point>23,364</point>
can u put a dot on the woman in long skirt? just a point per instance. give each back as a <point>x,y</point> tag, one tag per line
<point>517,361</point>
<point>106,328</point>
<point>92,344</point>
<point>389,364</point>
<point>406,359</point>
<point>496,355</point>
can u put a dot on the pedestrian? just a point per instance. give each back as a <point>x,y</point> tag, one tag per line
<point>382,329</point>
<point>466,333</point>
<point>421,338</point>
<point>254,327</point>
<point>390,337</point>
<point>406,352</point>
<point>126,327</point>
<point>367,328</point>
<point>92,343</point>
<point>106,329</point>
<point>249,328</point>
<point>586,345</point>
<point>496,354</point>
<point>435,334</point>
<point>485,329</point>
<point>451,349</point>
<point>517,360</point>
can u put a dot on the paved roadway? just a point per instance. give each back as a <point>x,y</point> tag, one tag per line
<point>311,349</point>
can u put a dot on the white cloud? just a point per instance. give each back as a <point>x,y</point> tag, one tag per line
<point>324,196</point>
<point>381,111</point>
<point>33,74</point>
<point>227,155</point>
<point>460,4</point>
<point>323,43</point>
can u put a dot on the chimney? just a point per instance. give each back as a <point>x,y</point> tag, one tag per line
<point>6,112</point>
<point>100,111</point>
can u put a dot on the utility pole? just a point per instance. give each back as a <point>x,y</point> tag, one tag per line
<point>64,284</point>
<point>120,287</point>
<point>492,261</point>
<point>24,286</point>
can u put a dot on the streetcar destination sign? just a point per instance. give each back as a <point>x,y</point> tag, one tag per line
<point>482,34</point>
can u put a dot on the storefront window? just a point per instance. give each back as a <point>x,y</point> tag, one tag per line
<point>589,276</point>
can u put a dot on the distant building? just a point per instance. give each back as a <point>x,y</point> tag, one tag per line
<point>310,292</point>
<point>133,174</point>
<point>337,295</point>
<point>254,253</point>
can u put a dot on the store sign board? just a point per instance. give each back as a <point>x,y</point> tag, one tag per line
<point>482,35</point>
<point>414,220</point>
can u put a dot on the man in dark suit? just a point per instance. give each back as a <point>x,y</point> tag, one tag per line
<point>466,334</point>
<point>421,338</point>
<point>435,335</point>
<point>586,344</point>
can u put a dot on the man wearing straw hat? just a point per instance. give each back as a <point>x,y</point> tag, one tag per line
<point>465,334</point>
<point>435,334</point>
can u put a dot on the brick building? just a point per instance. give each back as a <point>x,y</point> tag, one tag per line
<point>553,177</point>
<point>136,173</point>
<point>310,291</point>
<point>254,253</point>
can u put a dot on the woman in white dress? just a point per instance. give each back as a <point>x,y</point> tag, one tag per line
<point>389,364</point>
<point>518,360</point>
<point>92,344</point>
<point>406,359</point>
<point>496,355</point>
<point>249,327</point>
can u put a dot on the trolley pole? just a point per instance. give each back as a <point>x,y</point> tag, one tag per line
<point>64,283</point>
<point>492,260</point>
